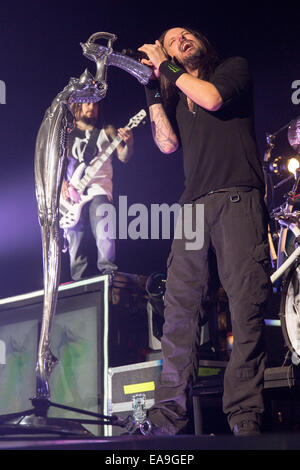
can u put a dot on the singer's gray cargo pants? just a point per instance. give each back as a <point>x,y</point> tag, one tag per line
<point>235,227</point>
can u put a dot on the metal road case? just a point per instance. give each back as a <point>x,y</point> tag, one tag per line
<point>124,383</point>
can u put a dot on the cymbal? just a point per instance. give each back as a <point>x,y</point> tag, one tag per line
<point>294,134</point>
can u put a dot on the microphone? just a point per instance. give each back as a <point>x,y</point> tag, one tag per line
<point>137,55</point>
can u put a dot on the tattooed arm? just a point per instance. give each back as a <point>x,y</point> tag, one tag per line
<point>162,130</point>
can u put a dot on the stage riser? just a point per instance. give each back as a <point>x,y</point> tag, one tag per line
<point>94,328</point>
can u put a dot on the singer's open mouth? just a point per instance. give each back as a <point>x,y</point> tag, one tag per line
<point>185,46</point>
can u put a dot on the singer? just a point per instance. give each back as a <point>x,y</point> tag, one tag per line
<point>204,104</point>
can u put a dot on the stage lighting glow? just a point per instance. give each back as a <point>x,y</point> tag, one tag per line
<point>281,165</point>
<point>293,165</point>
<point>268,322</point>
<point>276,166</point>
<point>272,322</point>
<point>229,338</point>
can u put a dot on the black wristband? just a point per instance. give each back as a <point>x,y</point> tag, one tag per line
<point>153,95</point>
<point>171,71</point>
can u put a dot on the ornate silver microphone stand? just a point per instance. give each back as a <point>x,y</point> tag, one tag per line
<point>50,159</point>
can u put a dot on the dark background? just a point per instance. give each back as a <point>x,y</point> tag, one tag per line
<point>40,51</point>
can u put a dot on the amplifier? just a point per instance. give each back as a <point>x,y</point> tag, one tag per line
<point>124,383</point>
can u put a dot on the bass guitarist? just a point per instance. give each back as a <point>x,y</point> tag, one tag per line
<point>88,141</point>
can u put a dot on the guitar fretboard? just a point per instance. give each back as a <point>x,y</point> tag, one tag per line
<point>91,170</point>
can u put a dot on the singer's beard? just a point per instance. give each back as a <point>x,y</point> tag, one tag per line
<point>192,61</point>
<point>89,121</point>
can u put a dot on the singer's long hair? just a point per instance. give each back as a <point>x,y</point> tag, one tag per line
<point>207,65</point>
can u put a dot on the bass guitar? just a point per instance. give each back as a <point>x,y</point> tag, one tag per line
<point>70,211</point>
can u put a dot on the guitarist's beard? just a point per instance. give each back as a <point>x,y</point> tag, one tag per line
<point>90,121</point>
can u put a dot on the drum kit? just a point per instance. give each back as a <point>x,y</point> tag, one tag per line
<point>284,236</point>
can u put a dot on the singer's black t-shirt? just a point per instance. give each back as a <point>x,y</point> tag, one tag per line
<point>219,148</point>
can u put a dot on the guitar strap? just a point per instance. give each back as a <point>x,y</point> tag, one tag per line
<point>90,148</point>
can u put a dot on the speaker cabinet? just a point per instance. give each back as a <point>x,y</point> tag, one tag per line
<point>79,339</point>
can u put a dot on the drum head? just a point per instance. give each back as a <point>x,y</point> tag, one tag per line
<point>290,309</point>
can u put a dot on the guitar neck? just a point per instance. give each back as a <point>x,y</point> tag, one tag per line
<point>92,169</point>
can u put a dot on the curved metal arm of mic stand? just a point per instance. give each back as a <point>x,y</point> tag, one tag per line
<point>50,157</point>
<point>95,51</point>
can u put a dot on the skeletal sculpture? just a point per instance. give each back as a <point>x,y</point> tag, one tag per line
<point>50,158</point>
